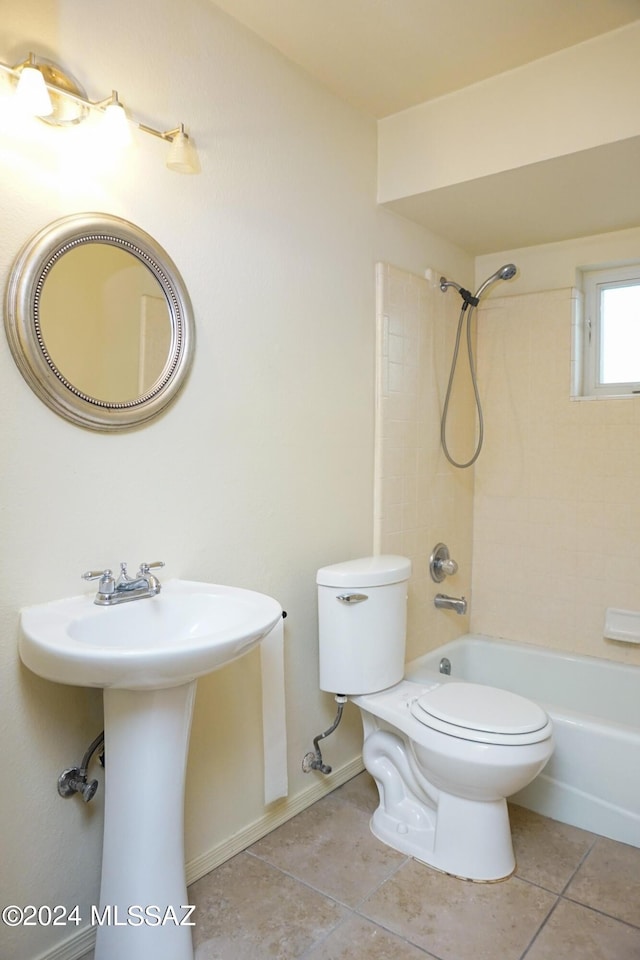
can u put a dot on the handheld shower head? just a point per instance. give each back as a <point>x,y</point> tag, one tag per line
<point>507,272</point>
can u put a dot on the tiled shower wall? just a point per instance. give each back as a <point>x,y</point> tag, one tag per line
<point>550,514</point>
<point>419,498</point>
<point>557,487</point>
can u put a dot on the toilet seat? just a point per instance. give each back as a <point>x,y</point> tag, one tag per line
<point>472,711</point>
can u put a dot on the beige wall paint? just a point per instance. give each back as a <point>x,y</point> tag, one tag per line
<point>261,471</point>
<point>552,266</point>
<point>523,116</point>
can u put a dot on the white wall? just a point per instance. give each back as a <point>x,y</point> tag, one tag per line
<point>262,470</point>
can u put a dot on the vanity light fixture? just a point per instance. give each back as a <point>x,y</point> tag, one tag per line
<point>44,90</point>
<point>117,124</point>
<point>183,157</point>
<point>31,91</point>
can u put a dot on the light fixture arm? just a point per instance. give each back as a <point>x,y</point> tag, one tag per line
<point>168,135</point>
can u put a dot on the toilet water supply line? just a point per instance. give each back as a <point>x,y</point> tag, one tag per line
<point>313,761</point>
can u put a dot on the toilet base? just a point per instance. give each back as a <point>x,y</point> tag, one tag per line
<point>476,845</point>
<point>470,839</point>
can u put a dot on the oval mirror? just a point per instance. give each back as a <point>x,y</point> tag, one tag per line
<point>99,321</point>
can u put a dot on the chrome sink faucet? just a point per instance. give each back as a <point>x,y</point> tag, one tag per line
<point>124,588</point>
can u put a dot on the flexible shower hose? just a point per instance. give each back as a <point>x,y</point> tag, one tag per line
<point>472,368</point>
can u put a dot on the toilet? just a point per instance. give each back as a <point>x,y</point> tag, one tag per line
<point>445,754</point>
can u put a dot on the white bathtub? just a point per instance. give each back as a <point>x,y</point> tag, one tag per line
<point>593,778</point>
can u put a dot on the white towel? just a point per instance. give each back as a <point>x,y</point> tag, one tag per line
<point>274,723</point>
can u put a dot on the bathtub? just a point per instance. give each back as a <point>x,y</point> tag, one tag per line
<point>593,777</point>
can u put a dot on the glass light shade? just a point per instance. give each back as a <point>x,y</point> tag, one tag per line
<point>32,95</point>
<point>117,128</point>
<point>183,156</point>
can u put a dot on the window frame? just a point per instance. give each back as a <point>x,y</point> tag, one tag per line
<point>594,281</point>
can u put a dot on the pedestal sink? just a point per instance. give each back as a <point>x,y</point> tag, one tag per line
<point>147,655</point>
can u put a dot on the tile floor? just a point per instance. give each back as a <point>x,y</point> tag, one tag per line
<point>322,887</point>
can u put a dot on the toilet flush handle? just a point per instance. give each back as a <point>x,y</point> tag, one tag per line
<point>352,597</point>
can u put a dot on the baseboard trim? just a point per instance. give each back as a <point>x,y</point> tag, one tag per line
<point>280,811</point>
<point>75,947</point>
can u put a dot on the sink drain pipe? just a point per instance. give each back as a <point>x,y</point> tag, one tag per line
<point>74,779</point>
<point>313,761</point>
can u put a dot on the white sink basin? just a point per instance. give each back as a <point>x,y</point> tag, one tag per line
<point>187,630</point>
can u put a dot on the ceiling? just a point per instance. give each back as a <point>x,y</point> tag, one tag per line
<point>384,56</point>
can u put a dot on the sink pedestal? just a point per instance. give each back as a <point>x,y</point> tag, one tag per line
<point>143,887</point>
<point>146,656</point>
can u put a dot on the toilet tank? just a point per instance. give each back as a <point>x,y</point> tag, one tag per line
<point>362,614</point>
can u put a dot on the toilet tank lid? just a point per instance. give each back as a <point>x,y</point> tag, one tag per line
<point>365,572</point>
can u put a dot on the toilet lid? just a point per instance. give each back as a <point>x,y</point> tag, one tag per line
<point>473,706</point>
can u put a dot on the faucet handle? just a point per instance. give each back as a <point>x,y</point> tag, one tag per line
<point>97,575</point>
<point>107,585</point>
<point>145,567</point>
<point>440,563</point>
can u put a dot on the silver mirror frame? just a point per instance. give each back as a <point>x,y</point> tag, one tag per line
<point>22,326</point>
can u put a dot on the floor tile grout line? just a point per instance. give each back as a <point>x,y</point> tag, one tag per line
<point>392,873</point>
<point>323,893</point>
<point>399,936</point>
<point>324,937</point>
<point>563,899</point>
<point>540,885</point>
<point>583,860</point>
<point>352,910</point>
<point>601,912</point>
<point>375,923</point>
<point>292,876</point>
<point>375,889</point>
<point>308,886</point>
<point>541,927</point>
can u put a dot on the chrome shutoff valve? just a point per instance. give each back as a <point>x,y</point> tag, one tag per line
<point>74,780</point>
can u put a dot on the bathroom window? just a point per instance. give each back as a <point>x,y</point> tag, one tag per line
<point>612,332</point>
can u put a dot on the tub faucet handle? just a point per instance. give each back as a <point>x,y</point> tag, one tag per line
<point>440,563</point>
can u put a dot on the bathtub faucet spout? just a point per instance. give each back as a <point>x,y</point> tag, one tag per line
<point>443,602</point>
